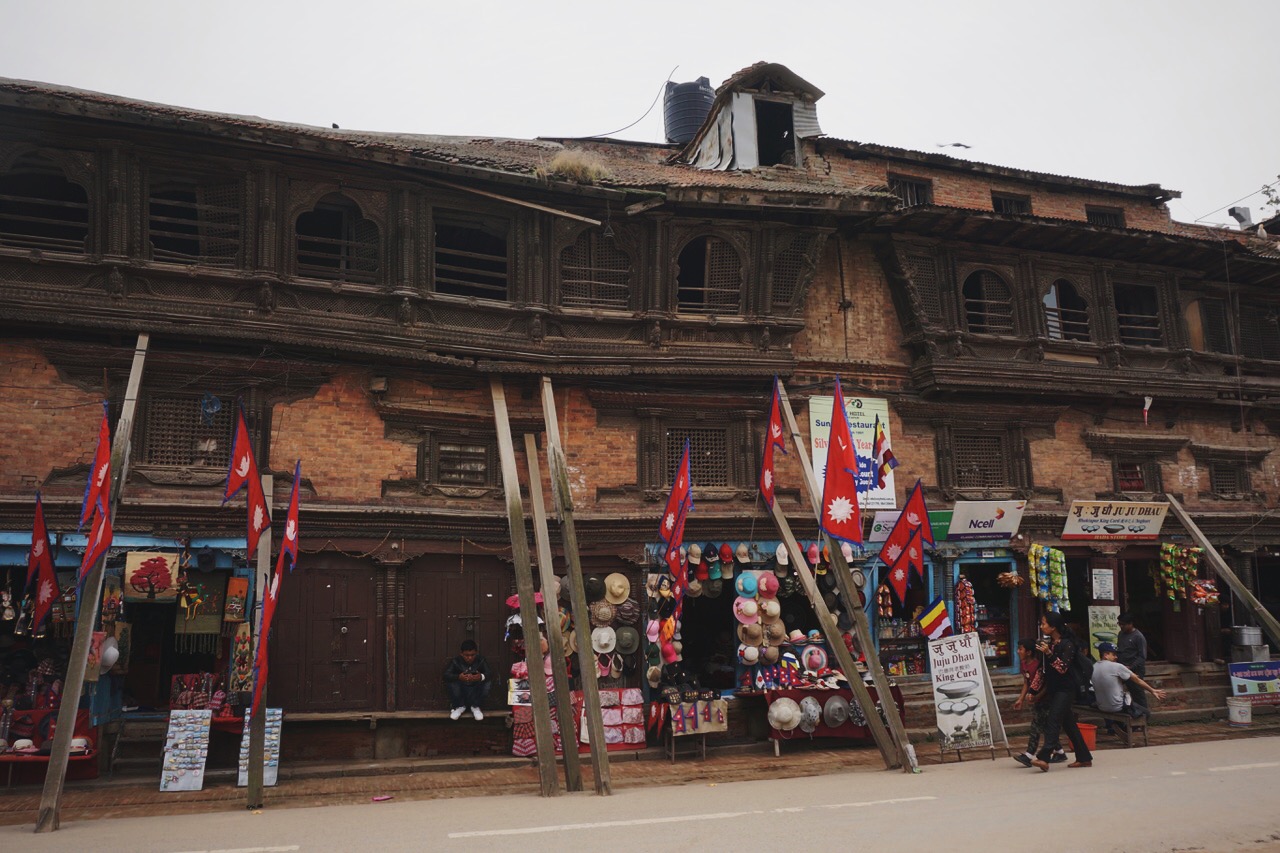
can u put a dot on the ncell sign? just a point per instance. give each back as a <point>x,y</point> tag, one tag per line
<point>985,519</point>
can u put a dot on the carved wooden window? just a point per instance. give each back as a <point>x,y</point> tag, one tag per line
<point>336,243</point>
<point>595,273</point>
<point>1138,314</point>
<point>459,459</point>
<point>709,277</point>
<point>41,209</point>
<point>1215,326</point>
<point>1009,203</point>
<point>988,304</point>
<point>789,269</point>
<point>1066,314</point>
<point>1109,217</point>
<point>911,191</point>
<point>923,270</point>
<point>176,432</point>
<point>709,460</point>
<point>1137,475</point>
<point>1259,331</point>
<point>1228,478</point>
<point>471,256</point>
<point>195,223</point>
<point>983,461</point>
<point>979,460</point>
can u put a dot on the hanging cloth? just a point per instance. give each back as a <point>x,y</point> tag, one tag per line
<point>236,606</point>
<point>198,623</point>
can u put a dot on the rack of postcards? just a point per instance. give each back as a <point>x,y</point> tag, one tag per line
<point>903,649</point>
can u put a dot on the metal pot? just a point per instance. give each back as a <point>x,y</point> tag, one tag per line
<point>1246,635</point>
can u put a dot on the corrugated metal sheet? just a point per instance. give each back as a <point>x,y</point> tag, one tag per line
<point>745,153</point>
<point>804,118</point>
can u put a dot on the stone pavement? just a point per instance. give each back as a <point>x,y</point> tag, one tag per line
<point>412,779</point>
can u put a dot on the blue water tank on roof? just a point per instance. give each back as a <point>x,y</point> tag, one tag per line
<point>685,107</point>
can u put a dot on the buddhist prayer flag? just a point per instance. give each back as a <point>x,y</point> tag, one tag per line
<point>243,474</point>
<point>776,438</point>
<point>840,515</point>
<point>882,460</point>
<point>935,622</point>
<point>99,471</point>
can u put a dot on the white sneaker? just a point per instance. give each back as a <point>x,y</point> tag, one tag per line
<point>475,712</point>
<point>456,713</point>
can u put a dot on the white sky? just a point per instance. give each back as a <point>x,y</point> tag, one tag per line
<point>1134,91</point>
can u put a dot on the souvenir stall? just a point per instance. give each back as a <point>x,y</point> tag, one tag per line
<point>985,600</point>
<point>895,625</point>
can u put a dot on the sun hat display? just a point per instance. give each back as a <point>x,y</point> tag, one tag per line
<point>602,613</point>
<point>835,713</point>
<point>594,588</point>
<point>24,744</point>
<point>813,658</point>
<point>767,585</point>
<point>628,639</point>
<point>749,655</point>
<point>770,610</point>
<point>746,584</point>
<point>775,633</point>
<point>617,588</point>
<point>751,635</point>
<point>784,714</point>
<point>628,612</point>
<point>743,554</point>
<point>80,744</point>
<point>746,611</point>
<point>770,654</point>
<point>797,636</point>
<point>603,640</point>
<point>571,643</point>
<point>810,713</point>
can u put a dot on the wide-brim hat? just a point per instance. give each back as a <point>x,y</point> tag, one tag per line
<point>713,588</point>
<point>513,601</point>
<point>767,585</point>
<point>602,613</point>
<point>835,713</point>
<point>603,640</point>
<point>784,714</point>
<point>810,713</point>
<point>628,640</point>
<point>770,610</point>
<point>746,585</point>
<point>746,611</point>
<point>594,588</point>
<point>797,636</point>
<point>617,588</point>
<point>813,658</point>
<point>775,633</point>
<point>742,554</point>
<point>770,654</point>
<point>748,655</point>
<point>571,643</point>
<point>628,612</point>
<point>751,635</point>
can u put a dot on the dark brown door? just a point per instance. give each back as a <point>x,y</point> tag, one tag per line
<point>324,648</point>
<point>442,608</point>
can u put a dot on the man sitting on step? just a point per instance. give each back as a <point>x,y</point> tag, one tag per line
<point>467,680</point>
<point>1108,677</point>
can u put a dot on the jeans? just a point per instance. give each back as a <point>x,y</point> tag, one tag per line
<point>1063,719</point>
<point>463,695</point>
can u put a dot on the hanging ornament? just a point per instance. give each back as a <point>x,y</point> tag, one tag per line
<point>966,606</point>
<point>1146,408</point>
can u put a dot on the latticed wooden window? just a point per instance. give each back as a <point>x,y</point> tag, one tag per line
<point>988,304</point>
<point>1110,217</point>
<point>709,277</point>
<point>1066,314</point>
<point>708,454</point>
<point>177,433</point>
<point>789,269</point>
<point>980,460</point>
<point>923,270</point>
<point>595,273</point>
<point>451,459</point>
<point>1015,204</point>
<point>335,243</point>
<point>471,257</point>
<point>1138,315</point>
<point>1228,478</point>
<point>1259,331</point>
<point>1215,324</point>
<point>41,209</point>
<point>911,191</point>
<point>1137,475</point>
<point>196,223</point>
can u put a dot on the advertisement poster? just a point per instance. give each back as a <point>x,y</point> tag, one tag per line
<point>960,694</point>
<point>882,524</point>
<point>1104,626</point>
<point>271,753</point>
<point>1104,584</point>
<point>862,412</point>
<point>1114,520</point>
<point>186,749</point>
<point>985,519</point>
<point>1259,681</point>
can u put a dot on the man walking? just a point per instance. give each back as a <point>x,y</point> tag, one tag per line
<point>467,680</point>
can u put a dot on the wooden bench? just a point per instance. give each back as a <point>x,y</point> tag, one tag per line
<point>1130,724</point>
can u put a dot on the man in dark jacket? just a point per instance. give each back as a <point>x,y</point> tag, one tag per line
<point>467,680</point>
<point>1132,652</point>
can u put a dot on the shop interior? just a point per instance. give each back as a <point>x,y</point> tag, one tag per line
<point>996,610</point>
<point>904,650</point>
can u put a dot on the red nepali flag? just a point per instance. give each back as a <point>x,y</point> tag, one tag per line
<point>40,569</point>
<point>912,521</point>
<point>99,472</point>
<point>903,560</point>
<point>289,544</point>
<point>775,439</point>
<point>242,473</point>
<point>680,500</point>
<point>840,516</point>
<point>100,536</point>
<point>271,596</point>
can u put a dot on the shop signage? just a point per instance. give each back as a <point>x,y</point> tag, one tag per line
<point>960,692</point>
<point>939,520</point>
<point>985,519</point>
<point>186,749</point>
<point>1104,585</point>
<point>1104,626</point>
<point>1258,681</point>
<point>1114,520</point>
<point>862,412</point>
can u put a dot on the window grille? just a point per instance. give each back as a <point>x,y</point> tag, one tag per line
<point>988,304</point>
<point>1215,325</point>
<point>176,434</point>
<point>1228,478</point>
<point>1137,475</point>
<point>1109,217</point>
<point>980,460</point>
<point>471,258</point>
<point>462,464</point>
<point>924,278</point>
<point>41,209</point>
<point>1066,314</point>
<point>595,273</point>
<point>1259,332</point>
<point>709,278</point>
<point>911,191</point>
<point>335,243</point>
<point>708,455</point>
<point>788,270</point>
<point>1138,315</point>
<point>196,224</point>
<point>1015,204</point>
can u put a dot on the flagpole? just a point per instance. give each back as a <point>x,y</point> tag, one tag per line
<point>849,594</point>
<point>255,772</point>
<point>49,816</point>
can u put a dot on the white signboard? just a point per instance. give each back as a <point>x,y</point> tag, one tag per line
<point>1104,626</point>
<point>1114,520</point>
<point>985,519</point>
<point>186,749</point>
<point>1104,585</point>
<point>861,412</point>
<point>271,754</point>
<point>960,692</point>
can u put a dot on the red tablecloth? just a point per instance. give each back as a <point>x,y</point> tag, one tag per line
<point>846,730</point>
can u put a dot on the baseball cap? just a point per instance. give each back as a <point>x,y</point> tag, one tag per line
<point>1103,648</point>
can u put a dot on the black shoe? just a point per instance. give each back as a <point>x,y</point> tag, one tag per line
<point>1023,759</point>
<point>1057,758</point>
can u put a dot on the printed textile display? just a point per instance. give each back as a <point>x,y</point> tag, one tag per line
<point>198,623</point>
<point>150,576</point>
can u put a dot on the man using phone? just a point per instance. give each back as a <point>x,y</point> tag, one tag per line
<point>467,680</point>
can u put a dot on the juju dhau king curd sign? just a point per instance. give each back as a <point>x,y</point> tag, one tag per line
<point>861,412</point>
<point>960,692</point>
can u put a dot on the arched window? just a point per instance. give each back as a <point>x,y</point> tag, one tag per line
<point>1066,314</point>
<point>709,277</point>
<point>41,209</point>
<point>336,243</point>
<point>988,304</point>
<point>595,273</point>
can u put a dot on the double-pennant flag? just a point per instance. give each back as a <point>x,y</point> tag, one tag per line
<point>40,569</point>
<point>776,439</point>
<point>271,596</point>
<point>903,550</point>
<point>671,530</point>
<point>840,516</point>
<point>97,501</point>
<point>882,460</point>
<point>243,473</point>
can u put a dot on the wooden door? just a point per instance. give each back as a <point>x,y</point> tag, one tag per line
<point>325,644</point>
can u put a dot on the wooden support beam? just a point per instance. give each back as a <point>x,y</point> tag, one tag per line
<point>524,589</point>
<point>255,797</point>
<point>577,592</point>
<point>1242,592</point>
<point>49,816</point>
<point>550,606</point>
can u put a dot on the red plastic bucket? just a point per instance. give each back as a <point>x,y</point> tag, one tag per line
<point>1089,732</point>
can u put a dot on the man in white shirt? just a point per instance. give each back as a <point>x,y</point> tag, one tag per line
<point>1109,676</point>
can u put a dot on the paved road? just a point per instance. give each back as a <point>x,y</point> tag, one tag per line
<point>1203,796</point>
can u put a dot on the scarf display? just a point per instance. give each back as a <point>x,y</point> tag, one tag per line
<point>198,623</point>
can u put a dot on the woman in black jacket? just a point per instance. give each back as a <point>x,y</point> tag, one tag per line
<point>1060,649</point>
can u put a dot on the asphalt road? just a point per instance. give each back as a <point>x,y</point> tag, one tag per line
<point>1202,796</point>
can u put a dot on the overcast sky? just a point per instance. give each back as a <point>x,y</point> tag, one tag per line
<point>1167,91</point>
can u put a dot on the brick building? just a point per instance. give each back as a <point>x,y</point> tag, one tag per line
<point>357,290</point>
